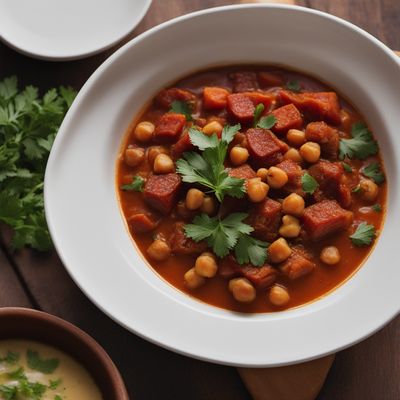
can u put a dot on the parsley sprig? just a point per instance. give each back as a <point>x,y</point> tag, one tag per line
<point>224,235</point>
<point>309,184</point>
<point>361,145</point>
<point>207,168</point>
<point>363,235</point>
<point>28,126</point>
<point>136,185</point>
<point>182,107</point>
<point>266,122</point>
<point>374,172</point>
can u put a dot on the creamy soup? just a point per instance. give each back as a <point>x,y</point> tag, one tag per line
<point>33,371</point>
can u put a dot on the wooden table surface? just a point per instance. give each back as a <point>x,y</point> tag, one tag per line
<point>369,370</point>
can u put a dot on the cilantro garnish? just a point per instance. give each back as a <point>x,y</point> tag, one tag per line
<point>54,384</point>
<point>309,184</point>
<point>136,185</point>
<point>363,235</point>
<point>267,122</point>
<point>10,358</point>
<point>207,168</point>
<point>47,366</point>
<point>293,85</point>
<point>257,113</point>
<point>182,107</point>
<point>347,167</point>
<point>376,207</point>
<point>28,126</point>
<point>361,145</point>
<point>227,234</point>
<point>374,172</point>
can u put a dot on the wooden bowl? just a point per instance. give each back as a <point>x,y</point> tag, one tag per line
<point>24,323</point>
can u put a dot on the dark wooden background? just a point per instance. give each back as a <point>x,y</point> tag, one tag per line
<point>369,370</point>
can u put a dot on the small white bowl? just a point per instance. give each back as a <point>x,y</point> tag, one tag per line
<point>67,30</point>
<point>88,228</point>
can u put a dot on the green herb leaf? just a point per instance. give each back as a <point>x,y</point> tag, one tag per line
<point>182,107</point>
<point>257,113</point>
<point>364,235</point>
<point>11,357</point>
<point>202,141</point>
<point>293,85</point>
<point>54,384</point>
<point>376,208</point>
<point>357,189</point>
<point>347,167</point>
<point>136,185</point>
<point>361,145</point>
<point>374,172</point>
<point>250,250</point>
<point>309,184</point>
<point>57,397</point>
<point>267,122</point>
<point>47,366</point>
<point>229,132</point>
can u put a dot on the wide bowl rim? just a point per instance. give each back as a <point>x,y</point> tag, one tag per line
<point>85,340</point>
<point>215,358</point>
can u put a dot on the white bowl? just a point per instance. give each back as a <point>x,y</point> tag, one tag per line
<point>67,30</point>
<point>88,228</point>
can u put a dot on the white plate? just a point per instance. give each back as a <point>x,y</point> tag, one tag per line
<point>88,228</point>
<point>66,30</point>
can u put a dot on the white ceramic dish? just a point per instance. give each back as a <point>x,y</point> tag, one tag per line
<point>66,30</point>
<point>88,228</point>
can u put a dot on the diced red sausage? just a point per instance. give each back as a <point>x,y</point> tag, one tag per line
<point>240,107</point>
<point>214,98</point>
<point>243,172</point>
<point>326,136</point>
<point>270,79</point>
<point>180,244</point>
<point>260,277</point>
<point>324,218</point>
<point>264,147</point>
<point>260,98</point>
<point>142,223</point>
<point>181,146</point>
<point>331,179</point>
<point>294,173</point>
<point>169,127</point>
<point>287,117</point>
<point>323,105</point>
<point>167,96</point>
<point>244,81</point>
<point>298,264</point>
<point>265,218</point>
<point>161,191</point>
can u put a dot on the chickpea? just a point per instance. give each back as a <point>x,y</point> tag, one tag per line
<point>144,131</point>
<point>277,178</point>
<point>194,199</point>
<point>242,290</point>
<point>163,164</point>
<point>134,156</point>
<point>206,265</point>
<point>310,151</point>
<point>294,155</point>
<point>369,190</point>
<point>212,127</point>
<point>239,139</point>
<point>153,152</point>
<point>279,251</point>
<point>296,137</point>
<point>256,190</point>
<point>279,296</point>
<point>262,173</point>
<point>159,250</point>
<point>290,227</point>
<point>238,155</point>
<point>293,205</point>
<point>208,207</point>
<point>330,255</point>
<point>193,280</point>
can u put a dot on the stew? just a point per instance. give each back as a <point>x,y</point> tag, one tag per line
<point>252,188</point>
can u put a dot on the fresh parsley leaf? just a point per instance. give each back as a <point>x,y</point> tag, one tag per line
<point>363,235</point>
<point>47,366</point>
<point>54,384</point>
<point>257,113</point>
<point>374,172</point>
<point>309,184</point>
<point>10,358</point>
<point>57,397</point>
<point>208,168</point>
<point>136,185</point>
<point>267,122</point>
<point>182,107</point>
<point>376,208</point>
<point>347,167</point>
<point>250,250</point>
<point>356,189</point>
<point>28,127</point>
<point>361,145</point>
<point>8,392</point>
<point>17,374</point>
<point>293,85</point>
